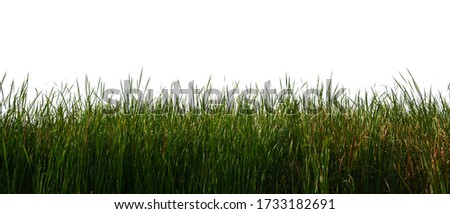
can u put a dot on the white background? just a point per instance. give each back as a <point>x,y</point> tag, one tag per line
<point>362,42</point>
<point>345,204</point>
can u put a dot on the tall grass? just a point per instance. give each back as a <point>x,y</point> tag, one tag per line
<point>67,140</point>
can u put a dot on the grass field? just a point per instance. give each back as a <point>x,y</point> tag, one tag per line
<point>69,141</point>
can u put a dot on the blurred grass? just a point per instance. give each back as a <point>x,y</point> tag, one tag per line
<point>69,141</point>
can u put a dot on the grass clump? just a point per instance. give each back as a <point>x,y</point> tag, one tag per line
<point>69,140</point>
